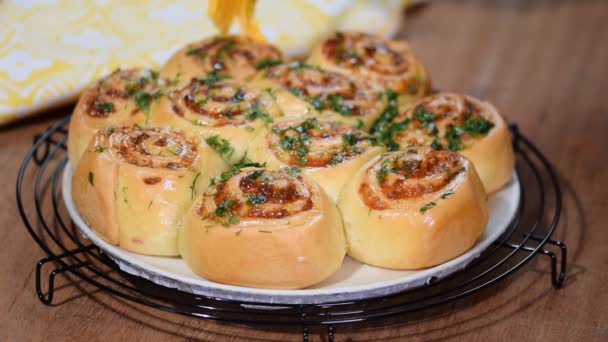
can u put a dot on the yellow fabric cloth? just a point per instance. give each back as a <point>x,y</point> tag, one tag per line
<point>51,49</point>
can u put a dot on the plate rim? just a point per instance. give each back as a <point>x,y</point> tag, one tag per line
<point>139,268</point>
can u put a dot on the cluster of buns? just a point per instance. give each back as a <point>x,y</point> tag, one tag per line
<point>263,172</point>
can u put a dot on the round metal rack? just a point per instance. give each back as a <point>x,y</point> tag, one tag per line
<point>43,213</point>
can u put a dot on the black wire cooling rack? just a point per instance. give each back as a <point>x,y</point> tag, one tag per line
<point>528,235</point>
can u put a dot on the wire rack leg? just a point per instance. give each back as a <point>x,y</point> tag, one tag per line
<point>48,298</point>
<point>558,276</point>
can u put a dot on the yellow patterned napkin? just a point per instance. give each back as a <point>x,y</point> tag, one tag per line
<point>51,49</point>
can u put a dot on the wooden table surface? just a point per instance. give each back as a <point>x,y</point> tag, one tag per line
<point>543,63</point>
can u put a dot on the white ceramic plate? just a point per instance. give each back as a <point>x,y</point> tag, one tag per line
<point>352,282</point>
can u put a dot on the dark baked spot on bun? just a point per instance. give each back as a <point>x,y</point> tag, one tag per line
<point>152,180</point>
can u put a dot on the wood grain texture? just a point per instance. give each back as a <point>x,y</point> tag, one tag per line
<point>544,63</point>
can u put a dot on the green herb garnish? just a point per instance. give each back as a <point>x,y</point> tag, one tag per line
<point>477,126</point>
<point>317,103</point>
<point>436,145</point>
<point>193,186</point>
<point>296,91</point>
<point>292,170</point>
<point>337,104</point>
<point>386,168</point>
<point>236,168</point>
<point>225,50</point>
<point>196,52</point>
<point>144,99</point>
<point>213,77</point>
<point>257,113</point>
<point>427,206</point>
<point>99,149</point>
<point>220,145</point>
<point>104,107</point>
<point>388,114</point>
<point>337,159</point>
<point>239,96</point>
<point>223,208</point>
<point>257,199</point>
<point>359,124</point>
<point>453,136</point>
<point>387,136</point>
<point>91,178</point>
<point>349,140</point>
<point>424,116</point>
<point>256,174</point>
<point>447,194</point>
<point>267,63</point>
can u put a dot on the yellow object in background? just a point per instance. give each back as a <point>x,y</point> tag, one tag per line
<point>50,50</point>
<point>223,13</point>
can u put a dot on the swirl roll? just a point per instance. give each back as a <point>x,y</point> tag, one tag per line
<point>265,229</point>
<point>303,90</point>
<point>236,56</point>
<point>383,62</point>
<point>233,112</point>
<point>459,123</point>
<point>133,185</point>
<point>119,99</point>
<point>413,209</point>
<point>327,151</point>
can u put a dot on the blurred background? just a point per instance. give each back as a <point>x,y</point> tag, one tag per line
<point>543,63</point>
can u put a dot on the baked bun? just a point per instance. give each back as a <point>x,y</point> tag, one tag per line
<point>232,111</point>
<point>237,57</point>
<point>264,229</point>
<point>133,185</point>
<point>464,124</point>
<point>413,209</point>
<point>327,151</point>
<point>383,62</point>
<point>121,98</point>
<point>303,89</point>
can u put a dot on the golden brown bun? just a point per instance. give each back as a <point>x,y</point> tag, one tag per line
<point>384,63</point>
<point>264,229</point>
<point>234,56</point>
<point>302,89</point>
<point>230,110</point>
<point>133,185</point>
<point>109,102</point>
<point>333,150</point>
<point>413,209</point>
<point>464,124</point>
